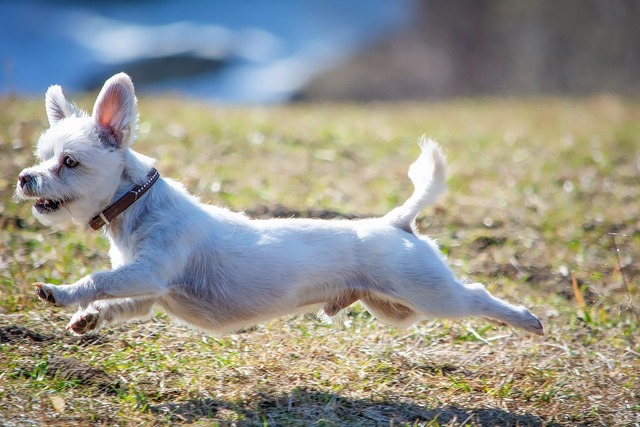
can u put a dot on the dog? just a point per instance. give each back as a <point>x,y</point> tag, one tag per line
<point>219,270</point>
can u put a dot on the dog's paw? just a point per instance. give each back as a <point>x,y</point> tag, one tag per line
<point>45,293</point>
<point>82,323</point>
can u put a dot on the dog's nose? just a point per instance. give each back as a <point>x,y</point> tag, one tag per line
<point>24,178</point>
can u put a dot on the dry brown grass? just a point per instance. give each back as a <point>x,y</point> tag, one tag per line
<point>536,187</point>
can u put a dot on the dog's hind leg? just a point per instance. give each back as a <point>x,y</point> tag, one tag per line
<point>457,300</point>
<point>482,303</point>
<point>99,313</point>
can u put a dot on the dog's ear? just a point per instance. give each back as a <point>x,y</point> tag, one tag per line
<point>116,110</point>
<point>57,105</point>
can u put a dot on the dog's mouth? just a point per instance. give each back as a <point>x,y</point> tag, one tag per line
<point>45,206</point>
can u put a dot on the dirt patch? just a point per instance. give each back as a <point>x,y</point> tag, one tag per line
<point>72,369</point>
<point>279,211</point>
<point>483,242</point>
<point>442,369</point>
<point>13,333</point>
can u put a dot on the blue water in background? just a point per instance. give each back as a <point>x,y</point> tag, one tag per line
<point>251,51</point>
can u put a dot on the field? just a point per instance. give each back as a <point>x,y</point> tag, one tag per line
<point>543,206</point>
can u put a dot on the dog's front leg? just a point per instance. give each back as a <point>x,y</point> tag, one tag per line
<point>132,280</point>
<point>99,313</point>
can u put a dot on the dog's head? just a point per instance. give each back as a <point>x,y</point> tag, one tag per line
<point>81,158</point>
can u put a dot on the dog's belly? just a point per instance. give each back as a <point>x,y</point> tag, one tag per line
<point>215,312</point>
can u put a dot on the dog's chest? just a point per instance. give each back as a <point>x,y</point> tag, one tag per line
<point>119,253</point>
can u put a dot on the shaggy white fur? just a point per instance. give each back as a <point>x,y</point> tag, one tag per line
<point>219,270</point>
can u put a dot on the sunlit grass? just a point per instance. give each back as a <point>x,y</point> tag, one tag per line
<point>535,190</point>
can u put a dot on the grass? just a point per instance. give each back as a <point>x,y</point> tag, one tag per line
<point>536,190</point>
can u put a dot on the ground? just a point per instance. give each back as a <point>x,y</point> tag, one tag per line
<point>542,207</point>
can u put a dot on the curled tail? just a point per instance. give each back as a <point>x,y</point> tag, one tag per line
<point>428,177</point>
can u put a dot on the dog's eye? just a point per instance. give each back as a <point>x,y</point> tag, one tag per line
<point>70,162</point>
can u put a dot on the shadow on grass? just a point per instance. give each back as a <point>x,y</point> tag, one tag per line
<point>312,407</point>
<point>300,407</point>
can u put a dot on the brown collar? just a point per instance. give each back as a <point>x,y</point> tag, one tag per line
<point>121,205</point>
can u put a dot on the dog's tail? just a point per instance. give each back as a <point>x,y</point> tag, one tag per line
<point>428,177</point>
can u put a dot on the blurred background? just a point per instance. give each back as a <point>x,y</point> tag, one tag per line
<point>260,52</point>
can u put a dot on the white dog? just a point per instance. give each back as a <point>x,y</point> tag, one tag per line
<point>219,270</point>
